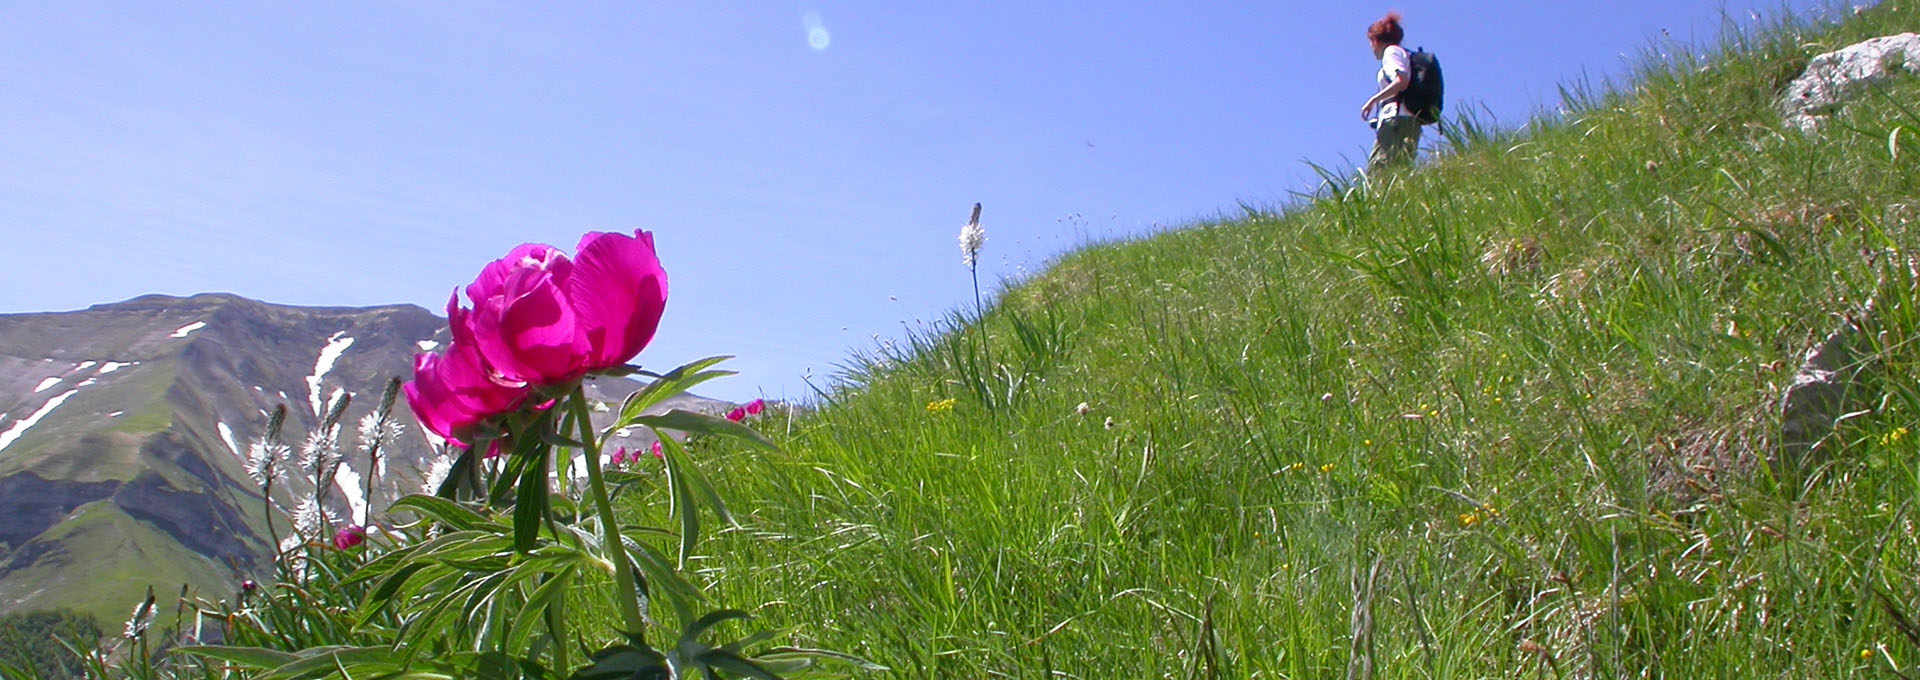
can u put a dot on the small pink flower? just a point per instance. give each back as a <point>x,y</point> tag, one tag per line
<point>737,414</point>
<point>756,406</point>
<point>620,456</point>
<point>349,536</point>
<point>248,585</point>
<point>657,453</point>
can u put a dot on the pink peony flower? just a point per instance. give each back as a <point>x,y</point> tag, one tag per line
<point>539,318</point>
<point>756,406</point>
<point>349,536</point>
<point>737,415</point>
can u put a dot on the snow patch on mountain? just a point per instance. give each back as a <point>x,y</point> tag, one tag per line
<point>47,384</point>
<point>226,435</point>
<point>112,366</point>
<point>20,428</point>
<point>188,329</point>
<point>336,345</point>
<point>426,345</point>
<point>351,487</point>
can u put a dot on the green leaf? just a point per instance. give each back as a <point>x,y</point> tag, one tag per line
<point>674,382</point>
<point>447,512</point>
<point>681,496</point>
<point>711,619</point>
<point>557,439</point>
<point>689,421</point>
<point>724,660</point>
<point>658,571</point>
<point>351,661</point>
<point>623,662</point>
<point>523,455</point>
<point>503,666</point>
<point>536,605</point>
<point>705,489</point>
<point>530,502</point>
<point>619,480</point>
<point>251,657</point>
<point>458,474</point>
<point>387,589</point>
<point>802,657</point>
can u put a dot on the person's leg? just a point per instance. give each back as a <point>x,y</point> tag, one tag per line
<point>1394,143</point>
<point>1380,155</point>
<point>1399,137</point>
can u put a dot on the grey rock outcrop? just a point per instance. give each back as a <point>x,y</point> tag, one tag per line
<point>1817,399</point>
<point>1832,79</point>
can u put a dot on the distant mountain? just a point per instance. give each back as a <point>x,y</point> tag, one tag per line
<point>124,429</point>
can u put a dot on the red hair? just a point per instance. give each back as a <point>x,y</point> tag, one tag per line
<point>1386,31</point>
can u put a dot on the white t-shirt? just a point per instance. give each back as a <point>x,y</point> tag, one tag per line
<point>1394,59</point>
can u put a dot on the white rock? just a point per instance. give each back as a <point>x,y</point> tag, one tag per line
<point>1832,79</point>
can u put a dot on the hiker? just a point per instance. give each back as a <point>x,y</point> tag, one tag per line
<point>1396,134</point>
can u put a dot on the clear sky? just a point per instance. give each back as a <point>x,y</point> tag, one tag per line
<point>806,167</point>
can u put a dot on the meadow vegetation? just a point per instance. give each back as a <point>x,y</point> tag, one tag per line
<point>1515,413</point>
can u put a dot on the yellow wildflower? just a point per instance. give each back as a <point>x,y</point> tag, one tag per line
<point>1326,468</point>
<point>1891,437</point>
<point>1468,519</point>
<point>941,405</point>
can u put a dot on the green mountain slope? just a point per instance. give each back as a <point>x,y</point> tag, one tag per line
<point>1510,415</point>
<point>96,552</point>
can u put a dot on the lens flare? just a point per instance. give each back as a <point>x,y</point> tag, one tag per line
<point>817,36</point>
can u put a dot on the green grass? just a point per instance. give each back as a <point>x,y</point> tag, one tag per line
<point>1529,393</point>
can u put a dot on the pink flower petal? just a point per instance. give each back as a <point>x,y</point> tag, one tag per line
<point>737,415</point>
<point>530,332</point>
<point>453,392</point>
<point>756,406</point>
<point>619,291</point>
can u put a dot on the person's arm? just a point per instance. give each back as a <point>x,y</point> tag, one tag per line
<point>1401,78</point>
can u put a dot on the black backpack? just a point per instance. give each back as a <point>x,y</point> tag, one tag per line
<point>1425,91</point>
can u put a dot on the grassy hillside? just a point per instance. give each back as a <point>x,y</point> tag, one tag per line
<point>102,563</point>
<point>1509,415</point>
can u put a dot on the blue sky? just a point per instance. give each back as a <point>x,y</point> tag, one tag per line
<point>805,167</point>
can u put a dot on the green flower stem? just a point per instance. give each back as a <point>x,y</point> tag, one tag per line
<point>629,599</point>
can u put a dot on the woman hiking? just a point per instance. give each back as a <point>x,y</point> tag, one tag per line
<point>1396,134</point>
